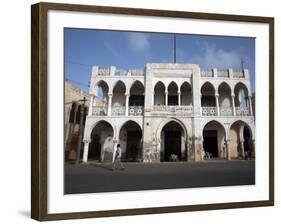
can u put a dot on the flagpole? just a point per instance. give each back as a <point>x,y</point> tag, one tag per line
<point>175,49</point>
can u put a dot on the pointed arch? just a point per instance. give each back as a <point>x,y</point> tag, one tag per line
<point>159,93</point>
<point>130,140</point>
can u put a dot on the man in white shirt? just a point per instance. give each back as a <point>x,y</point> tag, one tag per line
<point>116,159</point>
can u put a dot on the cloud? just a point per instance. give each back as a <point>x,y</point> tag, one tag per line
<point>212,57</point>
<point>138,42</point>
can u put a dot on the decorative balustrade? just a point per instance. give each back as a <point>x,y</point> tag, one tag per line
<point>99,111</point>
<point>226,111</point>
<point>163,109</point>
<point>104,71</point>
<point>242,111</point>
<point>223,73</point>
<point>174,109</point>
<point>209,111</point>
<point>238,74</point>
<point>135,110</point>
<point>137,72</point>
<point>118,110</point>
<point>207,73</point>
<point>121,72</point>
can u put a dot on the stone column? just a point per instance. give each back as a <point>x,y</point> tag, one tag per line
<point>242,149</point>
<point>109,104</point>
<point>166,98</point>
<point>179,98</point>
<point>233,105</point>
<point>253,149</point>
<point>90,112</point>
<point>250,105</point>
<point>217,105</point>
<point>127,103</point>
<point>86,150</point>
<point>152,101</point>
<point>228,149</point>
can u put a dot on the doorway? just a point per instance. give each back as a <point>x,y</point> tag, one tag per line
<point>210,143</point>
<point>133,148</point>
<point>172,145</point>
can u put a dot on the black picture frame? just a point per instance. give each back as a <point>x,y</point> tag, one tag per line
<point>39,106</point>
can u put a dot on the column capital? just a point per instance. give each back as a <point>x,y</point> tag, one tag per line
<point>127,94</point>
<point>166,91</point>
<point>179,92</point>
<point>86,141</point>
<point>110,94</point>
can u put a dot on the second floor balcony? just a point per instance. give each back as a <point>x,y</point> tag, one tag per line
<point>225,111</point>
<point>117,111</point>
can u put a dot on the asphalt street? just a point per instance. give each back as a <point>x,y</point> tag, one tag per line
<point>98,177</point>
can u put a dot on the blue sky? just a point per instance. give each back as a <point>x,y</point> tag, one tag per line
<point>87,47</point>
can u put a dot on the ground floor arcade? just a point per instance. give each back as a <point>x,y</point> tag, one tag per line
<point>169,139</point>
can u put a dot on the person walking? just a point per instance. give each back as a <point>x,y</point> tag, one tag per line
<point>116,159</point>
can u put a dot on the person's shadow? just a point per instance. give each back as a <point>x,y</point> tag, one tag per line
<point>103,166</point>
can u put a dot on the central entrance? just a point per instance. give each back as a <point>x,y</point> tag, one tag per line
<point>172,143</point>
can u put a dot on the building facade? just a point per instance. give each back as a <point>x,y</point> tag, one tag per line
<point>169,112</point>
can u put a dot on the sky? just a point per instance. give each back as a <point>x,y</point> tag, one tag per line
<point>127,50</point>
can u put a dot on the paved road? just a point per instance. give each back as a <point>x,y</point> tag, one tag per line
<point>99,177</point>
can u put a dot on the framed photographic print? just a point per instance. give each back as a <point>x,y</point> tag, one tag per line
<point>139,111</point>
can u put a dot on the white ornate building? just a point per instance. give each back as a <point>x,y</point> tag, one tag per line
<point>169,111</point>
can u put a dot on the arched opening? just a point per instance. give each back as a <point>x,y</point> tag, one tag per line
<point>173,143</point>
<point>130,139</point>
<point>101,93</point>
<point>119,99</point>
<point>248,142</point>
<point>159,94</point>
<point>186,94</point>
<point>241,95</point>
<point>214,140</point>
<point>225,99</point>
<point>173,98</point>
<point>241,143</point>
<point>101,146</point>
<point>136,99</point>
<point>208,95</point>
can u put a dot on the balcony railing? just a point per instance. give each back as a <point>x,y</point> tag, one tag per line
<point>135,110</point>
<point>163,109</point>
<point>242,111</point>
<point>209,111</point>
<point>226,111</point>
<point>99,111</point>
<point>118,111</point>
